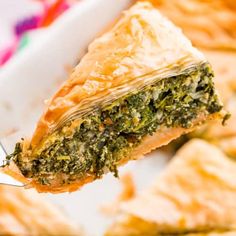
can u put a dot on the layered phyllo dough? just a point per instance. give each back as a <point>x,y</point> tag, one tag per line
<point>25,213</point>
<point>141,85</point>
<point>194,195</point>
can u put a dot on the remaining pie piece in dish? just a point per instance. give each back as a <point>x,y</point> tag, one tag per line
<point>25,213</point>
<point>209,24</point>
<point>224,233</point>
<point>141,85</point>
<point>195,194</point>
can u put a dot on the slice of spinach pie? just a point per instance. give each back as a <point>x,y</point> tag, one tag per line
<point>140,85</point>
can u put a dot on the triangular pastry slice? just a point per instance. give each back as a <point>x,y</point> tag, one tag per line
<point>25,213</point>
<point>140,85</point>
<point>196,193</point>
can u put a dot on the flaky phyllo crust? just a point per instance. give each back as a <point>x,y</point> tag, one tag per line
<point>144,58</point>
<point>24,212</point>
<point>209,24</point>
<point>194,195</point>
<point>142,42</point>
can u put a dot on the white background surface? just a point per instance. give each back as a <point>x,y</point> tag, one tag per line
<point>33,75</point>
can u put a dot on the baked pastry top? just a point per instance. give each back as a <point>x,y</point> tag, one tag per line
<point>24,212</point>
<point>140,85</point>
<point>194,194</point>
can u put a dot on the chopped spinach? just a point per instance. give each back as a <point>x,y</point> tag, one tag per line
<point>109,134</point>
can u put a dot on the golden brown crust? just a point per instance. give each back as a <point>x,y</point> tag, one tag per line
<point>24,212</point>
<point>209,24</point>
<point>196,191</point>
<point>142,41</point>
<point>227,233</point>
<point>132,226</point>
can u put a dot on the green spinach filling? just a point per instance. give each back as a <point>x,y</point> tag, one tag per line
<point>108,134</point>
